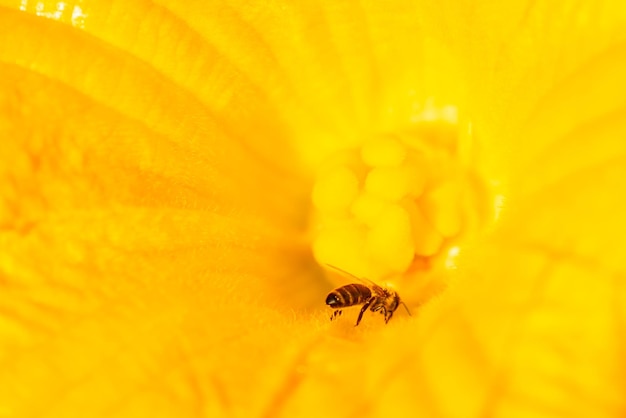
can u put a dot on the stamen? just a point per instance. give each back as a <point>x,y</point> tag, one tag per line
<point>383,151</point>
<point>335,190</point>
<point>442,207</point>
<point>426,239</point>
<point>395,206</point>
<point>390,241</point>
<point>367,208</point>
<point>394,183</point>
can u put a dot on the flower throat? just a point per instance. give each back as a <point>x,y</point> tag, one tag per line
<point>399,205</point>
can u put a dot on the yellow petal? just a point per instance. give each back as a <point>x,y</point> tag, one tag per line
<point>154,258</point>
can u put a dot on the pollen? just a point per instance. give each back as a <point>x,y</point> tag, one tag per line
<point>395,183</point>
<point>389,239</point>
<point>397,204</point>
<point>383,151</point>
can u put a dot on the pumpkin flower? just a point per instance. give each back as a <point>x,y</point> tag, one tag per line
<point>182,184</point>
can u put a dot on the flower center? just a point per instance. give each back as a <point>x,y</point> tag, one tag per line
<point>398,205</point>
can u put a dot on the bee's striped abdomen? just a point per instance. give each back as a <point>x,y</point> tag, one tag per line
<point>348,295</point>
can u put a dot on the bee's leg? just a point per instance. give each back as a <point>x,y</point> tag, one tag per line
<point>388,315</point>
<point>363,309</point>
<point>381,310</point>
<point>335,314</point>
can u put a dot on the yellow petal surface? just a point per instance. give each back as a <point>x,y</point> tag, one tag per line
<point>156,174</point>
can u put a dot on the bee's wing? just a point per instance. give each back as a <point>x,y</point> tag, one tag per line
<point>377,288</point>
<point>368,282</point>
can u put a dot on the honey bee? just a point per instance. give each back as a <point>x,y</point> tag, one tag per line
<point>369,294</point>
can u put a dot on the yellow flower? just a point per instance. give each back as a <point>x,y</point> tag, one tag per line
<point>173,174</point>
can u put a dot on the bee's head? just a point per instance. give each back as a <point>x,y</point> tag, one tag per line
<point>392,300</point>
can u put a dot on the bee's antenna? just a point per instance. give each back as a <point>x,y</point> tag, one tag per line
<point>407,308</point>
<point>343,271</point>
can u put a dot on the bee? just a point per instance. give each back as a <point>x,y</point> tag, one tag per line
<point>369,294</point>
